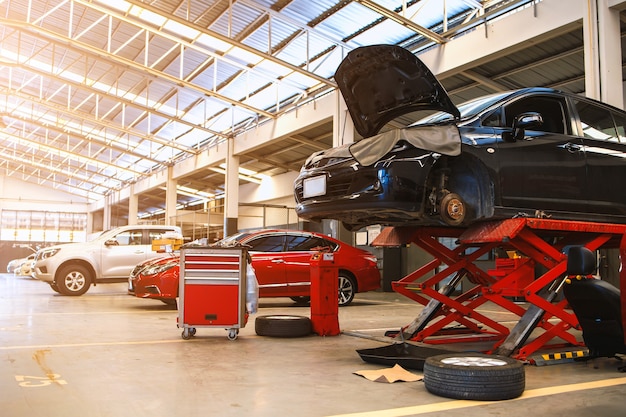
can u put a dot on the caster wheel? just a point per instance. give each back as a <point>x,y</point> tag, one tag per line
<point>188,333</point>
<point>232,334</point>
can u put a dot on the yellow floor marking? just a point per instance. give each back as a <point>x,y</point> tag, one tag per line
<point>87,313</point>
<point>456,404</point>
<point>146,342</point>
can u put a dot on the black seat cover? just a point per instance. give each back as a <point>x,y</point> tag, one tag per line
<point>596,304</point>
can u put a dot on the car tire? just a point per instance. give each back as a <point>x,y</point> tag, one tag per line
<point>347,289</point>
<point>302,300</point>
<point>282,326</point>
<point>170,302</point>
<point>474,376</point>
<point>453,209</point>
<point>73,280</point>
<point>54,287</point>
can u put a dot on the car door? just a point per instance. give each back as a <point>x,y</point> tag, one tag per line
<point>299,250</point>
<point>604,141</point>
<point>269,266</point>
<point>121,253</point>
<point>544,169</point>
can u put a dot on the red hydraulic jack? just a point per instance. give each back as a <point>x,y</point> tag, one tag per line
<point>539,241</point>
<point>324,290</point>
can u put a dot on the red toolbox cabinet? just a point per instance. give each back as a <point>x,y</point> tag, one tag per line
<point>212,289</point>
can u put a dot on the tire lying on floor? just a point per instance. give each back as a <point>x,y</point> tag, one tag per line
<point>474,376</point>
<point>282,326</point>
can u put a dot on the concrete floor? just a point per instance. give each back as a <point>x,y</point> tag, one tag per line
<point>109,354</point>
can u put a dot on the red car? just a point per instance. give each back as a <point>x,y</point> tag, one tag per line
<point>281,261</point>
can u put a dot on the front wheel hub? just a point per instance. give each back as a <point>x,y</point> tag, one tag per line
<point>453,209</point>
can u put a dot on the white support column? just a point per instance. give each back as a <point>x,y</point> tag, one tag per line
<point>170,197</point>
<point>610,55</point>
<point>133,206</point>
<point>90,223</point>
<point>231,199</point>
<point>106,216</point>
<point>603,53</point>
<point>591,52</point>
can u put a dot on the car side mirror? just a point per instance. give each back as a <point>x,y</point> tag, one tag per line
<point>529,120</point>
<point>111,242</point>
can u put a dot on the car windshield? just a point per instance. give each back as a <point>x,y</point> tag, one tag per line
<point>468,109</point>
<point>100,235</point>
<point>232,240</point>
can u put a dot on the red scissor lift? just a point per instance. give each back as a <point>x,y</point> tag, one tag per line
<point>540,242</point>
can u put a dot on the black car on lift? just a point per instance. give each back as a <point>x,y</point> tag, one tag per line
<point>530,152</point>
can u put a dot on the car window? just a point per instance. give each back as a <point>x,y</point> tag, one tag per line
<point>494,119</point>
<point>620,123</point>
<point>552,111</point>
<point>468,109</point>
<point>597,122</point>
<point>274,243</point>
<point>232,240</point>
<point>306,243</point>
<point>129,237</point>
<point>157,233</point>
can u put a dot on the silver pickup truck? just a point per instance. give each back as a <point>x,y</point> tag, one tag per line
<point>71,268</point>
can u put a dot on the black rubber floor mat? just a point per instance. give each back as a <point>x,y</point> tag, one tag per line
<point>404,354</point>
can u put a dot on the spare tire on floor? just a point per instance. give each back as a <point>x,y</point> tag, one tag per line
<point>474,376</point>
<point>282,326</point>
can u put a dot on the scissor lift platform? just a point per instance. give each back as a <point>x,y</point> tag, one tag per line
<point>539,243</point>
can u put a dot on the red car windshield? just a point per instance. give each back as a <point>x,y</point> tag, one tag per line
<point>231,240</point>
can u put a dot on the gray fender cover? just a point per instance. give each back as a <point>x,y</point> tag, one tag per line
<point>444,139</point>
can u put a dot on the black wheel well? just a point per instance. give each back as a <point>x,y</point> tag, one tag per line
<point>78,262</point>
<point>466,176</point>
<point>351,275</point>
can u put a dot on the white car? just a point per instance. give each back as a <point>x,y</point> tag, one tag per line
<point>16,266</point>
<point>26,269</point>
<point>72,267</point>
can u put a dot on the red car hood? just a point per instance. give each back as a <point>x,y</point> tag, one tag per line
<point>156,261</point>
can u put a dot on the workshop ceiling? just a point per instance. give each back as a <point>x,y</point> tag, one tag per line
<point>97,94</point>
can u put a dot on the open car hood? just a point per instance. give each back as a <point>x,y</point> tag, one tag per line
<point>382,82</point>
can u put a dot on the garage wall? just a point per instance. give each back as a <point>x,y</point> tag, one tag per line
<point>20,195</point>
<point>17,195</point>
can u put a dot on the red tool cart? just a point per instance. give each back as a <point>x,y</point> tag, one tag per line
<point>212,289</point>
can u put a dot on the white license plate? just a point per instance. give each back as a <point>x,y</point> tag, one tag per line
<point>312,187</point>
